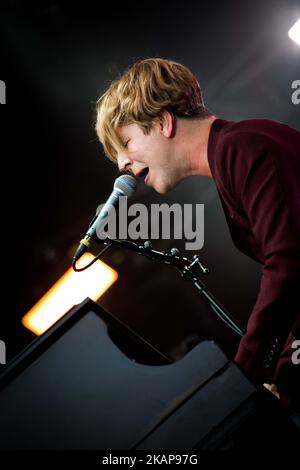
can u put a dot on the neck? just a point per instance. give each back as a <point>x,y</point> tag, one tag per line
<point>194,135</point>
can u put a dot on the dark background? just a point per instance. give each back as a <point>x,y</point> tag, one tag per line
<point>56,59</point>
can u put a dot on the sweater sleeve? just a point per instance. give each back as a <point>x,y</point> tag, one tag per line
<point>267,202</point>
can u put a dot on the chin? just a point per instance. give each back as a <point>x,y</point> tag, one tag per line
<point>161,189</point>
<point>163,185</point>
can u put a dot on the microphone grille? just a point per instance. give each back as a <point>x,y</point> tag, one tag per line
<point>126,183</point>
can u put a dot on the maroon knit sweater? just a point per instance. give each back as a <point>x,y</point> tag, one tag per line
<point>256,168</point>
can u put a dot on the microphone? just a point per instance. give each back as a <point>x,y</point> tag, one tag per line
<point>125,185</point>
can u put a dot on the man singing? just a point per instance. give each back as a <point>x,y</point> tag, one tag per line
<point>153,123</point>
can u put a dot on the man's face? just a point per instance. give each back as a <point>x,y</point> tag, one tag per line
<point>150,156</point>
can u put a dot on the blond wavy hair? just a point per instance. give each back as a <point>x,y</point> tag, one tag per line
<point>140,96</point>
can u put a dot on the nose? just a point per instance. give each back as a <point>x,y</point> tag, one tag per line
<point>124,162</point>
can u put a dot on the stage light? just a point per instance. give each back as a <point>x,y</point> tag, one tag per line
<point>294,32</point>
<point>71,289</point>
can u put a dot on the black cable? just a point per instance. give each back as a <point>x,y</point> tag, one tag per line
<point>93,261</point>
<point>174,259</point>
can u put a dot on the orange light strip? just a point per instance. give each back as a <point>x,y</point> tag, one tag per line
<point>71,289</point>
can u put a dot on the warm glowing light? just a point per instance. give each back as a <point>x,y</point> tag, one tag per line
<point>294,32</point>
<point>71,289</point>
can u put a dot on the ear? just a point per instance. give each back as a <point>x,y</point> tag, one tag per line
<point>167,124</point>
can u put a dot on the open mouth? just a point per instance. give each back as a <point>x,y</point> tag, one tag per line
<point>144,173</point>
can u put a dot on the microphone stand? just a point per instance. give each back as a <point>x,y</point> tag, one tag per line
<point>187,268</point>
